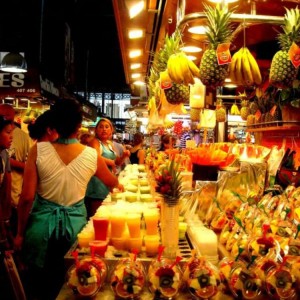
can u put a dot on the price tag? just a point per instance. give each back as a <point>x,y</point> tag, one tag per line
<point>294,55</point>
<point>223,54</point>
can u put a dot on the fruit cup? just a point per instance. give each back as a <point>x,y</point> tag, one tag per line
<point>202,278</point>
<point>225,267</point>
<point>164,278</point>
<point>280,283</point>
<point>87,276</point>
<point>244,282</point>
<point>128,279</point>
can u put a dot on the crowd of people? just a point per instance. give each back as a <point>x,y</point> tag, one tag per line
<point>52,180</point>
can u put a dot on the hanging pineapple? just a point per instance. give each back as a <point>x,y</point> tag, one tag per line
<point>178,93</point>
<point>283,72</point>
<point>245,110</point>
<point>220,111</point>
<point>160,59</point>
<point>219,31</point>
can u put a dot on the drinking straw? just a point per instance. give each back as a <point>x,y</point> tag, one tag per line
<point>75,255</point>
<point>176,261</point>
<point>160,252</point>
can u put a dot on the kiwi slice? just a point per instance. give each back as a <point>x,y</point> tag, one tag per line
<point>203,280</point>
<point>128,279</point>
<point>165,281</point>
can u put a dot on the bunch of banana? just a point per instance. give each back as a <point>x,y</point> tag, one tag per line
<point>181,69</point>
<point>168,124</point>
<point>244,69</point>
<point>234,110</point>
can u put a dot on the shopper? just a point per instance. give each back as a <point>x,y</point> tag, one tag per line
<point>137,153</point>
<point>6,137</point>
<point>97,190</point>
<point>58,173</point>
<point>43,128</point>
<point>6,236</point>
<point>167,141</point>
<point>18,153</point>
<point>185,135</point>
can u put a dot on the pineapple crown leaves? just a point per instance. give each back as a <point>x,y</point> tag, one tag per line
<point>169,183</point>
<point>220,30</point>
<point>160,58</point>
<point>291,29</point>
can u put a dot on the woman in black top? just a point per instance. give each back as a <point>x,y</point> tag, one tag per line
<point>137,153</point>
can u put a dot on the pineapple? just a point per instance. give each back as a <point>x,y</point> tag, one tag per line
<point>283,72</point>
<point>253,107</point>
<point>245,110</point>
<point>220,111</point>
<point>219,31</point>
<point>160,59</point>
<point>250,120</point>
<point>178,93</point>
<point>268,117</point>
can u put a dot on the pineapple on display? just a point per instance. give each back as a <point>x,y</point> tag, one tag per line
<point>219,31</point>
<point>160,60</point>
<point>253,107</point>
<point>220,111</point>
<point>178,93</point>
<point>268,117</point>
<point>250,120</point>
<point>283,72</point>
<point>245,110</point>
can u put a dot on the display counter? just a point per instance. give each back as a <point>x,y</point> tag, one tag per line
<point>107,294</point>
<point>209,247</point>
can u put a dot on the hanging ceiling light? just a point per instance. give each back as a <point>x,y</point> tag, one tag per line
<point>13,62</point>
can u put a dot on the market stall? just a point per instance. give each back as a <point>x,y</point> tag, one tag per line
<point>226,228</point>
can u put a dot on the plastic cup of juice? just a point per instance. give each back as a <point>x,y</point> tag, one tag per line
<point>84,238</point>
<point>135,244</point>
<point>100,227</point>
<point>151,244</point>
<point>117,224</point>
<point>99,247</point>
<point>151,217</point>
<point>134,224</point>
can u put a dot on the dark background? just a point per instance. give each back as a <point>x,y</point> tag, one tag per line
<point>37,28</point>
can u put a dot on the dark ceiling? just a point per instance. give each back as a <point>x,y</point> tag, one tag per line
<point>37,28</point>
